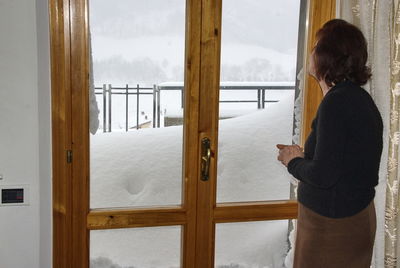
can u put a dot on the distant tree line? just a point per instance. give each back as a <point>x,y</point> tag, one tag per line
<point>146,70</point>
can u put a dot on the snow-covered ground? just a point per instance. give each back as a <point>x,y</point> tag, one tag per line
<point>143,168</point>
<point>138,247</point>
<point>238,245</point>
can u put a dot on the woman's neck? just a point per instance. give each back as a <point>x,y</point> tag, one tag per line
<point>325,88</point>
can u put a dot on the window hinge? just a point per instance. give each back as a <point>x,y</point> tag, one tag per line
<point>69,156</point>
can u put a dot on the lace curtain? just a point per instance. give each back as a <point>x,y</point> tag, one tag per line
<point>93,107</point>
<point>380,22</point>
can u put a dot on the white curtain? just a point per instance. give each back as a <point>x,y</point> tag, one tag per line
<point>93,108</point>
<point>374,18</point>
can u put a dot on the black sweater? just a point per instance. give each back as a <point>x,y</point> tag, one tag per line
<point>342,153</point>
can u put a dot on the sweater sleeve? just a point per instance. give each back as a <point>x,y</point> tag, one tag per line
<point>326,167</point>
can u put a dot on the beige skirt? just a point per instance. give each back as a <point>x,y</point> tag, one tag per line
<point>323,242</point>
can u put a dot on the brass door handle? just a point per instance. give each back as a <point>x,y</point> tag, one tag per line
<point>205,158</point>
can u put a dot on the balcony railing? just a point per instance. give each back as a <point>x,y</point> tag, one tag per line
<point>107,91</point>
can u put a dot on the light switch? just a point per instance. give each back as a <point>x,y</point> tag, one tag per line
<point>14,195</point>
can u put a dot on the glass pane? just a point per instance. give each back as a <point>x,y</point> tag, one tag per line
<point>135,248</point>
<point>252,244</point>
<point>137,87</point>
<point>257,94</point>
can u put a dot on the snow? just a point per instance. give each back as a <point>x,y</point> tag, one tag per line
<point>237,84</point>
<point>143,168</point>
<point>247,166</point>
<point>257,84</point>
<point>128,35</point>
<point>138,247</point>
<point>171,84</point>
<point>129,168</point>
<point>142,42</point>
<point>222,113</point>
<point>252,244</point>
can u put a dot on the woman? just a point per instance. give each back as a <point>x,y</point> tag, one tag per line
<point>338,169</point>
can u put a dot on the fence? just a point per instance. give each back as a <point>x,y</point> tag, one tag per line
<point>107,91</point>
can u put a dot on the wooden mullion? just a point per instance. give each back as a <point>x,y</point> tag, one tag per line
<point>111,219</point>
<point>190,129</point>
<point>208,127</point>
<point>61,131</point>
<point>255,211</point>
<point>80,132</point>
<point>319,13</point>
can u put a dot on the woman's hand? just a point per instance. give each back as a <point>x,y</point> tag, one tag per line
<point>288,152</point>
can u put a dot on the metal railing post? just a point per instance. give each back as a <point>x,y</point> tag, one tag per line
<point>158,106</point>
<point>126,106</point>
<point>154,105</point>
<point>104,108</point>
<point>109,106</point>
<point>137,106</point>
<point>182,96</point>
<point>263,99</point>
<point>258,98</point>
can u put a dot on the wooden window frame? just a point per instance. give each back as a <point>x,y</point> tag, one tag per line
<point>72,218</point>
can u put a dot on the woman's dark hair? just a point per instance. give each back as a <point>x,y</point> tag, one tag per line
<point>341,53</point>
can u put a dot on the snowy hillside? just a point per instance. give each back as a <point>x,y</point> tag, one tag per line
<point>144,42</point>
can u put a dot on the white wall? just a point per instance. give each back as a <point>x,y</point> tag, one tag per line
<point>25,231</point>
<point>44,100</point>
